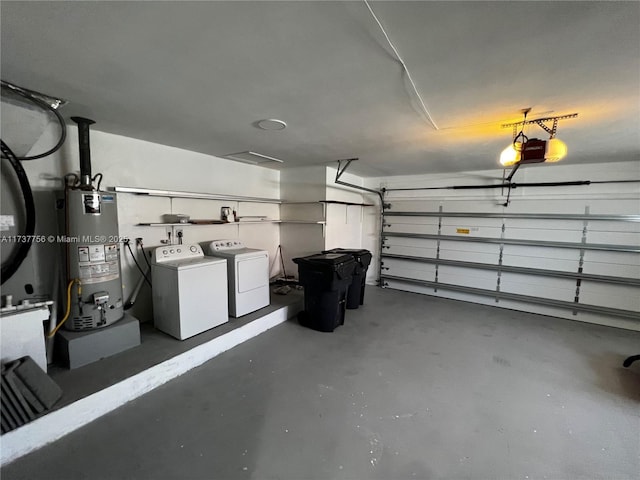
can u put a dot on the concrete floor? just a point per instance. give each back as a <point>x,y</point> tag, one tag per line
<point>410,387</point>
<point>155,348</point>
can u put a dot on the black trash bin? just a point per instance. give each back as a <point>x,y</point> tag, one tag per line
<point>355,294</point>
<point>325,279</point>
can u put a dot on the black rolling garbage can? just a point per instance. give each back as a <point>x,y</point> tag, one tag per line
<point>355,294</point>
<point>325,279</point>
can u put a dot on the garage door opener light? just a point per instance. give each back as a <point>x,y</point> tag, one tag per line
<point>524,150</point>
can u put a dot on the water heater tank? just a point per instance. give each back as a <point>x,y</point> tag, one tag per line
<point>93,253</point>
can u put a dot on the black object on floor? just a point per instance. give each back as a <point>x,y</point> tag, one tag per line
<point>325,279</point>
<point>627,363</point>
<point>27,393</point>
<point>355,293</point>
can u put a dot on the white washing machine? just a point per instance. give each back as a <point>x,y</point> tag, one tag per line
<point>247,273</point>
<point>189,290</point>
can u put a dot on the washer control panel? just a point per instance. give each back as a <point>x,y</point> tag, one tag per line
<point>226,245</point>
<point>171,253</point>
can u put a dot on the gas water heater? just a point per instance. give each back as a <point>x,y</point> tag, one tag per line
<point>94,289</point>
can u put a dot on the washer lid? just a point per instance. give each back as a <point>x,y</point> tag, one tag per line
<point>191,263</point>
<point>239,252</point>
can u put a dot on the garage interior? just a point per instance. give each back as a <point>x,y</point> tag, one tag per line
<point>502,295</point>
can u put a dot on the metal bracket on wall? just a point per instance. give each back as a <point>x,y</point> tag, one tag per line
<point>342,169</point>
<point>585,227</point>
<point>437,266</point>
<point>500,258</point>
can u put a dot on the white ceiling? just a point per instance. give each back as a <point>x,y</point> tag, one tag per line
<point>198,75</point>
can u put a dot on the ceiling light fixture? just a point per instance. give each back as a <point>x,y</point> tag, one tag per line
<point>271,124</point>
<point>524,150</point>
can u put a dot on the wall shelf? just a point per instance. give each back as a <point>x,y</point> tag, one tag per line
<point>195,195</point>
<point>160,224</point>
<point>333,202</point>
<point>189,224</point>
<point>338,202</point>
<point>305,222</point>
<point>234,198</point>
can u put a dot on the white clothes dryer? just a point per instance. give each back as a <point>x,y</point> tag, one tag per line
<point>247,275</point>
<point>189,290</point>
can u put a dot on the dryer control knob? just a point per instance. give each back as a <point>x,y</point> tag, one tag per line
<point>164,252</point>
<point>193,248</point>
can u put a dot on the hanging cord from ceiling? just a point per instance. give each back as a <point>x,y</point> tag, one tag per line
<point>15,260</point>
<point>404,66</point>
<point>10,266</point>
<point>47,104</point>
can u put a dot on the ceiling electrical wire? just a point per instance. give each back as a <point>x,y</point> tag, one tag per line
<point>15,260</point>
<point>10,266</point>
<point>404,66</point>
<point>48,106</point>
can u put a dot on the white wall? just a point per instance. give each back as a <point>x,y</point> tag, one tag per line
<point>305,187</point>
<point>135,163</point>
<point>344,222</point>
<point>303,184</point>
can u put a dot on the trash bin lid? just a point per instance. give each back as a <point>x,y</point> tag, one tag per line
<point>360,255</point>
<point>328,263</point>
<point>326,259</point>
<point>350,251</point>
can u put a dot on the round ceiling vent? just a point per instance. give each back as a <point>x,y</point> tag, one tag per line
<point>271,124</point>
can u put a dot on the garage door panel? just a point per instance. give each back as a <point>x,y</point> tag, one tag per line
<point>409,269</point>
<point>614,296</point>
<point>547,235</point>
<point>392,220</point>
<point>468,277</point>
<point>411,242</point>
<point>472,221</point>
<point>546,287</point>
<point>413,251</point>
<point>469,229</point>
<point>614,238</point>
<point>450,245</point>
<point>465,256</point>
<point>422,228</point>
<point>541,257</point>
<point>479,242</point>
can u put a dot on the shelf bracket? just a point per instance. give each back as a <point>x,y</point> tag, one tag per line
<point>342,169</point>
